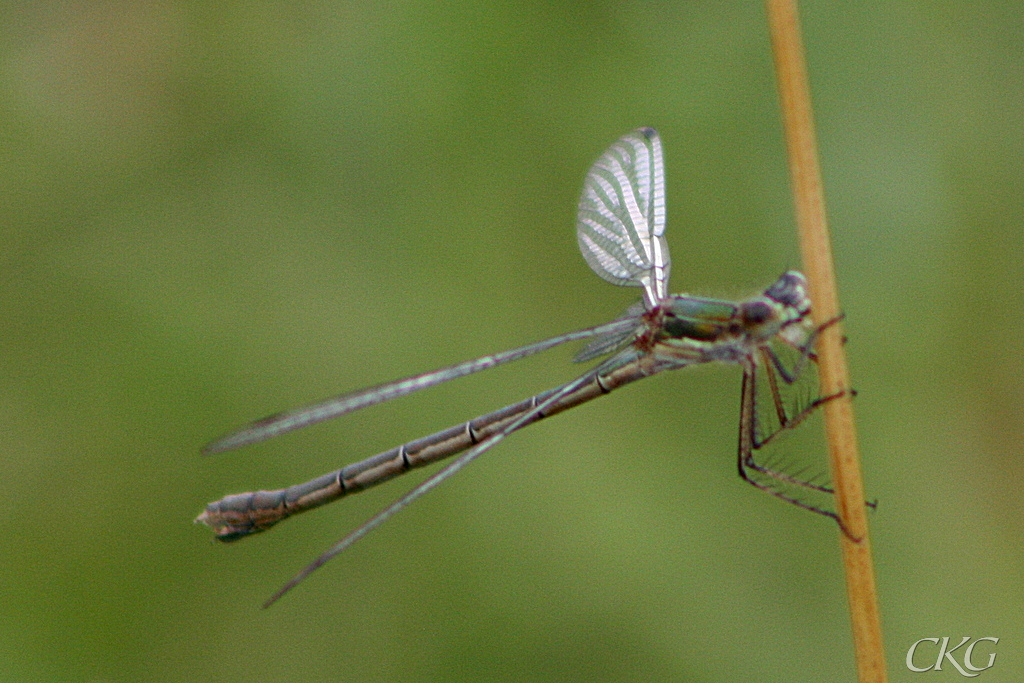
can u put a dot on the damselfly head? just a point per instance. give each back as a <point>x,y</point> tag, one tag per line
<point>783,309</point>
<point>790,290</point>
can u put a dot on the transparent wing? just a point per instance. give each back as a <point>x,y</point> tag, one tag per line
<point>621,221</point>
<point>614,340</point>
<point>280,423</point>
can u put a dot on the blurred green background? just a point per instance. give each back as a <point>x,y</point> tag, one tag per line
<point>211,213</point>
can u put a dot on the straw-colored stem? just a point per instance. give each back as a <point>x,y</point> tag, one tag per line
<point>815,246</point>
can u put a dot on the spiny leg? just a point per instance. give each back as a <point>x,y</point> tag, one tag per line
<point>772,365</point>
<point>805,349</point>
<point>748,443</point>
<point>786,421</point>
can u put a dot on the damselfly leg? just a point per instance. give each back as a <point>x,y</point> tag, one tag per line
<point>780,482</point>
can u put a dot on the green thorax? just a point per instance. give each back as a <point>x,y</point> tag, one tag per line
<point>687,317</point>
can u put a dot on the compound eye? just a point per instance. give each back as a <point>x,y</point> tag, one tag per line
<point>756,312</point>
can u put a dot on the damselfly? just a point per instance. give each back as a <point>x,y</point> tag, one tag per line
<point>621,233</point>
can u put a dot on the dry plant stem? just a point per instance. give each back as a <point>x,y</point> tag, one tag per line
<point>816,250</point>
